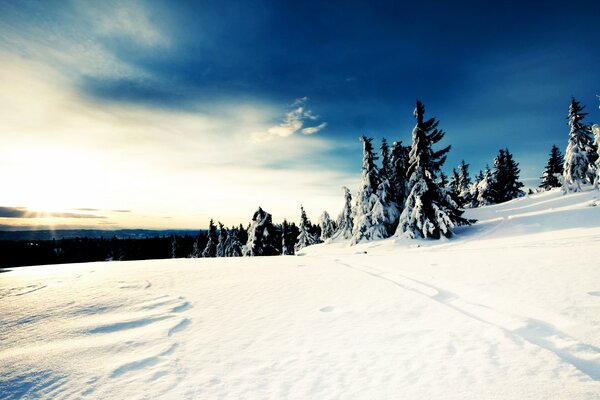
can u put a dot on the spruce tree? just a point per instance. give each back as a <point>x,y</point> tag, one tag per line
<point>327,226</point>
<point>399,166</point>
<point>580,156</point>
<point>210,250</point>
<point>261,235</point>
<point>505,184</point>
<point>222,241</point>
<point>482,192</point>
<point>429,212</point>
<point>553,170</point>
<point>174,247</point>
<point>464,184</point>
<point>306,237</point>
<point>233,245</point>
<point>287,239</point>
<point>345,223</point>
<point>368,226</point>
<point>386,209</point>
<point>196,252</point>
<point>596,130</point>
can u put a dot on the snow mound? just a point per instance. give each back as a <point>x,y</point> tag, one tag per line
<point>509,308</point>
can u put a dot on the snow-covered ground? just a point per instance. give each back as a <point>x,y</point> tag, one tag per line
<point>509,309</point>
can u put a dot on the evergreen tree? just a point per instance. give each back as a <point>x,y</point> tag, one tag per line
<point>222,241</point>
<point>305,238</point>
<point>327,226</point>
<point>365,226</point>
<point>386,210</point>
<point>482,192</point>
<point>596,130</point>
<point>429,212</point>
<point>443,181</point>
<point>287,239</point>
<point>210,250</point>
<point>261,235</point>
<point>580,157</point>
<point>174,247</point>
<point>399,166</point>
<point>243,233</point>
<point>553,170</point>
<point>505,183</point>
<point>233,245</point>
<point>196,253</point>
<point>455,182</point>
<point>345,222</point>
<point>464,184</point>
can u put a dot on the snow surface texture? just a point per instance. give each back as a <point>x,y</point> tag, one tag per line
<point>508,309</point>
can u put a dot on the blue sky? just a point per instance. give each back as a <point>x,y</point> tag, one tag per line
<point>271,95</point>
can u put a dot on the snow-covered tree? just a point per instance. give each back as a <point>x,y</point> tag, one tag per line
<point>261,235</point>
<point>210,250</point>
<point>327,226</point>
<point>288,238</point>
<point>365,226</point>
<point>399,166</point>
<point>505,184</point>
<point>174,247</point>
<point>305,238</point>
<point>596,130</point>
<point>345,222</point>
<point>196,252</point>
<point>233,246</point>
<point>580,156</point>
<point>429,212</point>
<point>386,210</point>
<point>222,241</point>
<point>554,169</point>
<point>482,192</point>
<point>463,184</point>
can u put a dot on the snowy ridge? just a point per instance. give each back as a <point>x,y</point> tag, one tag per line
<point>509,308</point>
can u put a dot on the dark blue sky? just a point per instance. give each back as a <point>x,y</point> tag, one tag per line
<point>496,74</point>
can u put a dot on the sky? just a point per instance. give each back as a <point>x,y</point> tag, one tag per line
<point>162,114</point>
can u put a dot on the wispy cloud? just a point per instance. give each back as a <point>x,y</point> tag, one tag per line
<point>22,212</point>
<point>295,121</point>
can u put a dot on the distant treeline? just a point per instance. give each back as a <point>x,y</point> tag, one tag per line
<point>15,253</point>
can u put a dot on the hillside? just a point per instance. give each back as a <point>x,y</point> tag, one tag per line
<point>508,309</point>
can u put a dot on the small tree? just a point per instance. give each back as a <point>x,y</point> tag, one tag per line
<point>596,130</point>
<point>174,247</point>
<point>210,250</point>
<point>553,170</point>
<point>483,194</point>
<point>580,157</point>
<point>429,212</point>
<point>463,184</point>
<point>327,226</point>
<point>233,245</point>
<point>261,235</point>
<point>305,238</point>
<point>399,166</point>
<point>345,223</point>
<point>505,184</point>
<point>222,241</point>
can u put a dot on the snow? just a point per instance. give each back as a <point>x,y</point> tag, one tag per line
<point>507,309</point>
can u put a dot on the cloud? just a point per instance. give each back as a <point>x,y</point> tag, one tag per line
<point>22,212</point>
<point>295,120</point>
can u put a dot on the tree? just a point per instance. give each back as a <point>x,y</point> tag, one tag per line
<point>596,130</point>
<point>196,252</point>
<point>287,241</point>
<point>482,192</point>
<point>327,226</point>
<point>399,166</point>
<point>553,170</point>
<point>366,227</point>
<point>463,184</point>
<point>345,223</point>
<point>222,241</point>
<point>429,212</point>
<point>210,250</point>
<point>505,184</point>
<point>174,247</point>
<point>580,155</point>
<point>233,245</point>
<point>261,235</point>
<point>305,238</point>
<point>386,210</point>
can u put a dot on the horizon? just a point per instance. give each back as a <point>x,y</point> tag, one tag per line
<point>154,115</point>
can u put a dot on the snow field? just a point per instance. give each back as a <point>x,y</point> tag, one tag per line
<point>509,309</point>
